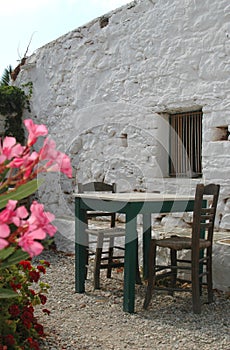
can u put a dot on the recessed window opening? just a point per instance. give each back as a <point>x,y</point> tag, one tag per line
<point>222,133</point>
<point>185,144</point>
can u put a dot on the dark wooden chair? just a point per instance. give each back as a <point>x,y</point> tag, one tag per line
<point>104,258</point>
<point>199,243</point>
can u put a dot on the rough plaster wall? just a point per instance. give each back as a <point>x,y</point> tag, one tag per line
<point>102,92</point>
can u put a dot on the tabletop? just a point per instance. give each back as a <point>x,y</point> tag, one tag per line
<point>135,196</point>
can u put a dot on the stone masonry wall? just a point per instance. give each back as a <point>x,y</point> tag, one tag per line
<point>105,91</point>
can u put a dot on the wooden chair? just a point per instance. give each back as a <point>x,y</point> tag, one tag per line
<point>201,252</point>
<point>104,259</point>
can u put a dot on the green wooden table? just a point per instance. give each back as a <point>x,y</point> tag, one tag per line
<point>130,204</point>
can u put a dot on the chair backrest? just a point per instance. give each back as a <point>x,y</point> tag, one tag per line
<point>203,215</point>
<point>98,187</point>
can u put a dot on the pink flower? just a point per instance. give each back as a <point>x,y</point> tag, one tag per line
<point>65,165</point>
<point>8,216</point>
<point>58,161</point>
<point>34,131</point>
<point>62,163</point>
<point>9,149</point>
<point>29,244</point>
<point>27,163</point>
<point>24,161</point>
<point>11,214</point>
<point>48,151</point>
<point>4,233</point>
<point>39,219</point>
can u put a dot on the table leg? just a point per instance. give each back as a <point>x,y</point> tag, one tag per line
<point>80,247</point>
<point>131,241</point>
<point>146,242</point>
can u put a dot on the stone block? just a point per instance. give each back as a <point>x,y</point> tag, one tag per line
<point>221,265</point>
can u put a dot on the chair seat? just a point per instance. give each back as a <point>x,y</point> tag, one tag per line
<point>179,243</point>
<point>107,232</point>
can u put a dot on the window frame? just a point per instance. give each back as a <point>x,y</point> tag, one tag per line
<point>183,146</point>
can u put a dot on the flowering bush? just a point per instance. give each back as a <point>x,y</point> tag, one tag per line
<point>21,235</point>
<point>19,328</point>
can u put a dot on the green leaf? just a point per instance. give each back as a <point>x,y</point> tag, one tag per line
<point>7,293</point>
<point>4,253</point>
<point>17,256</point>
<point>21,192</point>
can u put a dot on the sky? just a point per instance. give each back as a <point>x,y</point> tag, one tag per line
<point>41,21</point>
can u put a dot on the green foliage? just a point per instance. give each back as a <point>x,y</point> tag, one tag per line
<point>21,192</point>
<point>13,101</point>
<point>12,256</point>
<point>5,79</point>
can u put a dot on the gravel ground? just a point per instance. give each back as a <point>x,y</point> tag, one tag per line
<point>95,320</point>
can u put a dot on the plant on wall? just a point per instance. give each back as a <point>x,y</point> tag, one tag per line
<point>13,101</point>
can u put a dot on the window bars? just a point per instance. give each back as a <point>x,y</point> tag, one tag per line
<point>185,144</point>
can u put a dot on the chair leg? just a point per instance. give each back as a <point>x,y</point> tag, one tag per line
<point>152,274</point>
<point>138,275</point>
<point>87,257</point>
<point>110,257</point>
<point>173,254</point>
<point>209,275</point>
<point>97,261</point>
<point>195,283</point>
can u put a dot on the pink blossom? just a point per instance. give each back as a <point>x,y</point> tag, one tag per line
<point>65,165</point>
<point>48,150</point>
<point>9,149</point>
<point>12,215</point>
<point>58,161</point>
<point>29,244</point>
<point>7,214</point>
<point>4,233</point>
<point>26,164</point>
<point>34,131</point>
<point>62,163</point>
<point>5,218</point>
<point>27,160</point>
<point>41,219</point>
<point>21,212</point>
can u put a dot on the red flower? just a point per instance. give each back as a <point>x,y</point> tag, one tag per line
<point>27,317</point>
<point>43,298</point>
<point>9,339</point>
<point>34,276</point>
<point>46,263</point>
<point>32,292</point>
<point>39,328</point>
<point>29,309</point>
<point>46,311</point>
<point>3,347</point>
<point>14,310</point>
<point>15,286</point>
<point>33,344</point>
<point>41,268</point>
<point>27,323</point>
<point>25,264</point>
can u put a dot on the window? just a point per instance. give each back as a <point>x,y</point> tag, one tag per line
<point>185,144</point>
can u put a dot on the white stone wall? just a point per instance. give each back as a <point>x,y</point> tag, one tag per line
<point>105,94</point>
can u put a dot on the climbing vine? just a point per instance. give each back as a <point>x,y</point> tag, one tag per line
<point>13,101</point>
